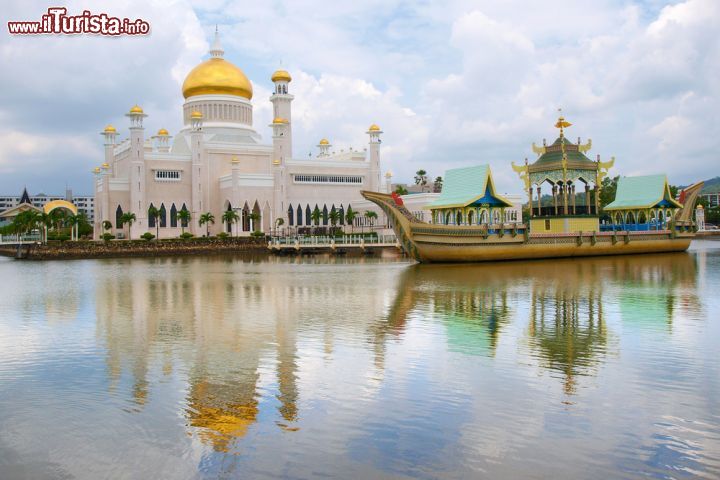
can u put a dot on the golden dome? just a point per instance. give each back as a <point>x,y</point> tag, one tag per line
<point>136,109</point>
<point>700,207</point>
<point>196,114</point>
<point>96,170</point>
<point>105,165</point>
<point>374,128</point>
<point>217,77</point>
<point>280,120</point>
<point>281,76</point>
<point>110,129</point>
<point>163,132</point>
<point>324,141</point>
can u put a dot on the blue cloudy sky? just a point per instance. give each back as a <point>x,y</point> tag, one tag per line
<point>451,82</point>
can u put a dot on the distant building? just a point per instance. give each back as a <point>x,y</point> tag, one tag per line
<point>84,203</point>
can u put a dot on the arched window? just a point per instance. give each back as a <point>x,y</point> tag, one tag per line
<point>618,218</point>
<point>308,213</point>
<point>151,219</point>
<point>173,216</point>
<point>299,216</point>
<point>291,216</point>
<point>163,216</point>
<point>325,215</point>
<point>447,218</point>
<point>642,218</point>
<point>342,215</point>
<point>118,217</point>
<point>458,218</point>
<point>471,217</point>
<point>484,217</point>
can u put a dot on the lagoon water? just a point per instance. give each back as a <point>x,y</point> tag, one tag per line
<point>273,367</point>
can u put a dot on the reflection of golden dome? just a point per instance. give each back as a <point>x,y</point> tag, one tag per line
<point>374,128</point>
<point>196,114</point>
<point>281,76</point>
<point>163,132</point>
<point>136,109</point>
<point>105,166</point>
<point>280,120</point>
<point>217,76</point>
<point>324,141</point>
<point>110,129</point>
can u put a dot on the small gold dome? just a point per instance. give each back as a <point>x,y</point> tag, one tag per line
<point>700,207</point>
<point>281,76</point>
<point>105,165</point>
<point>388,174</point>
<point>324,141</point>
<point>136,109</point>
<point>110,129</point>
<point>280,120</point>
<point>374,128</point>
<point>163,132</point>
<point>96,170</point>
<point>217,76</point>
<point>196,114</point>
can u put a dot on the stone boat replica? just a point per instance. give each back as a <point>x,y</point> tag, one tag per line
<point>472,223</point>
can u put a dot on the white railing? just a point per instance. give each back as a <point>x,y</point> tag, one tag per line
<point>339,241</point>
<point>16,238</point>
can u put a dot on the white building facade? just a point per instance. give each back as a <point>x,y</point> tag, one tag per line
<point>217,162</point>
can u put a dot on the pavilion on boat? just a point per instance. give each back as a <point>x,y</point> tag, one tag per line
<point>564,165</point>
<point>642,203</point>
<point>468,198</point>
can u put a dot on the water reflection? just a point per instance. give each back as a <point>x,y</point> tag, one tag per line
<point>393,369</point>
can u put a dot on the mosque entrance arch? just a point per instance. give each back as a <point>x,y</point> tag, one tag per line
<point>63,205</point>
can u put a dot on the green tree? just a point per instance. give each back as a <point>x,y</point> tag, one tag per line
<point>230,217</point>
<point>334,217</point>
<point>255,217</point>
<point>608,190</point>
<point>279,222</point>
<point>106,225</point>
<point>207,218</point>
<point>184,217</point>
<point>421,177</point>
<point>315,216</point>
<point>154,214</point>
<point>128,218</point>
<point>400,190</point>
<point>74,221</point>
<point>350,216</point>
<point>371,217</point>
<point>437,185</point>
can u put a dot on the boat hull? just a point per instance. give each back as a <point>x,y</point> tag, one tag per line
<point>431,243</point>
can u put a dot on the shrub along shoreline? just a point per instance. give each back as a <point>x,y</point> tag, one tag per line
<point>57,250</point>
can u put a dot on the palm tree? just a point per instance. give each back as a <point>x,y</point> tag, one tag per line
<point>437,185</point>
<point>279,222</point>
<point>350,217</point>
<point>128,218</point>
<point>334,217</point>
<point>400,190</point>
<point>421,177</point>
<point>207,219</point>
<point>229,217</point>
<point>154,214</point>
<point>371,217</point>
<point>315,216</point>
<point>74,222</point>
<point>184,217</point>
<point>255,218</point>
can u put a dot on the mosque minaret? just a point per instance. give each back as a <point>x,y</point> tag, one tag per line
<point>218,162</point>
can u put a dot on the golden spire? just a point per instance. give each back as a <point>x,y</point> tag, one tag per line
<point>561,123</point>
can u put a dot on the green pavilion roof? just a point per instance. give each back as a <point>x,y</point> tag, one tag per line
<point>553,155</point>
<point>642,192</point>
<point>463,186</point>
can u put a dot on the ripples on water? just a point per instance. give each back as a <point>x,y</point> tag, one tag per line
<point>361,368</point>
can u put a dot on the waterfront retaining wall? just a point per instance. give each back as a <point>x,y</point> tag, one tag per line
<point>136,248</point>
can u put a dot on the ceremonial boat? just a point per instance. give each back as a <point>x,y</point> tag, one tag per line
<point>471,222</point>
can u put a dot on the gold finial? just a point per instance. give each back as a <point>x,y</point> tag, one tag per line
<point>561,123</point>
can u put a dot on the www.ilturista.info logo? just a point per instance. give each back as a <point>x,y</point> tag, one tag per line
<point>57,21</point>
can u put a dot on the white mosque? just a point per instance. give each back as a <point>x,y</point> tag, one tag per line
<point>217,162</point>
